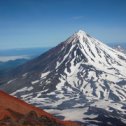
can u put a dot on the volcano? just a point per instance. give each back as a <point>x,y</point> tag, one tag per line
<point>81,74</point>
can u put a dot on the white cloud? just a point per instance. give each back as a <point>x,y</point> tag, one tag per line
<point>7,58</point>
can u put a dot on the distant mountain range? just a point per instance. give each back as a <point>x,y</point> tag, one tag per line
<point>11,64</point>
<point>81,79</point>
<point>120,48</point>
<point>11,58</point>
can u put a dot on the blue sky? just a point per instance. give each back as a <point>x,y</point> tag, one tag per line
<point>45,23</point>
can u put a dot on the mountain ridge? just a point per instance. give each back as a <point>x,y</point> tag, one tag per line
<point>16,110</point>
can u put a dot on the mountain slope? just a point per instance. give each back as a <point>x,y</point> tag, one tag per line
<point>80,72</point>
<point>13,110</point>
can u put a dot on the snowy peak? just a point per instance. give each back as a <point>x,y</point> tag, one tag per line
<point>83,36</point>
<point>81,33</point>
<point>79,36</point>
<point>80,70</point>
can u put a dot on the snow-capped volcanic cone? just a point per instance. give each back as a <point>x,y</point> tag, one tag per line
<point>79,72</point>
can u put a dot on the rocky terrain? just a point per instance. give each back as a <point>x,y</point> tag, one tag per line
<point>14,112</point>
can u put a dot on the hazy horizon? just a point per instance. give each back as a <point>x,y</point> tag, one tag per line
<point>123,44</point>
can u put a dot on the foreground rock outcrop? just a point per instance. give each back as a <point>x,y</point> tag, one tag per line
<point>14,112</point>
